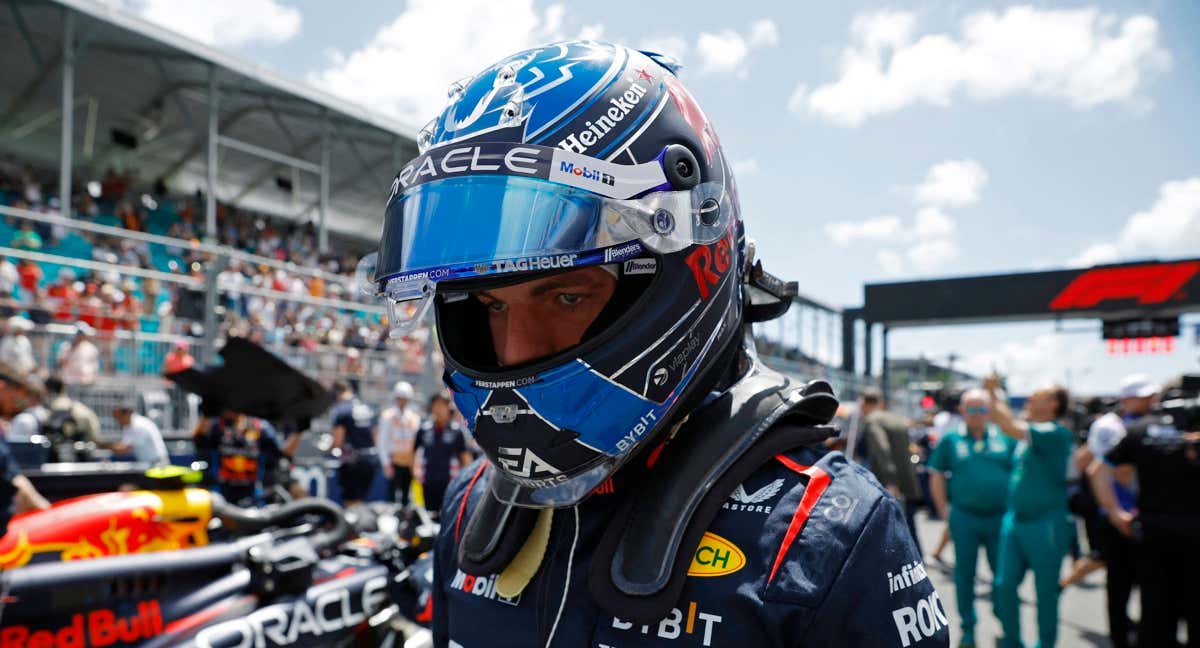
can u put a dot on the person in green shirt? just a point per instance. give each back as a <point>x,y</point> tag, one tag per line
<point>26,238</point>
<point>979,460</point>
<point>1035,533</point>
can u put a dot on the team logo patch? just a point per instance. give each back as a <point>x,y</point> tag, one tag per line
<point>759,496</point>
<point>481,586</point>
<point>760,501</point>
<point>716,556</point>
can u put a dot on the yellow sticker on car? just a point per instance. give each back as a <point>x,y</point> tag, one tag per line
<point>716,556</point>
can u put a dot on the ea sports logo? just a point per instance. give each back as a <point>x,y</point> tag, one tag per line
<point>660,376</point>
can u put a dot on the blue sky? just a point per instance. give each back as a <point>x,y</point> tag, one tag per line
<point>871,143</point>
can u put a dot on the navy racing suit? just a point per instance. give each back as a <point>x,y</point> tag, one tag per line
<point>808,551</point>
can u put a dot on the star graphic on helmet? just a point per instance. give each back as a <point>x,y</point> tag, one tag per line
<point>645,75</point>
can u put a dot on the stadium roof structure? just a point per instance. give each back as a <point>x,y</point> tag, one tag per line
<point>141,98</point>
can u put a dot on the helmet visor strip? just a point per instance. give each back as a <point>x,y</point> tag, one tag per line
<point>475,225</point>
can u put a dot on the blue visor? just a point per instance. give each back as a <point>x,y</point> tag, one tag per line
<point>465,225</point>
<point>486,220</point>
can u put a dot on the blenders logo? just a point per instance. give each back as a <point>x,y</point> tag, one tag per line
<point>553,262</point>
<point>481,586</point>
<point>614,254</point>
<point>586,173</point>
<point>619,108</point>
<point>641,266</point>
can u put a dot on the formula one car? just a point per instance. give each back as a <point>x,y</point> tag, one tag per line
<point>295,575</point>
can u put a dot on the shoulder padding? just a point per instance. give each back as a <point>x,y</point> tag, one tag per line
<point>640,565</point>
<point>815,557</point>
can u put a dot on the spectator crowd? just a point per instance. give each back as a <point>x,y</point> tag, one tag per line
<point>1111,484</point>
<point>282,304</point>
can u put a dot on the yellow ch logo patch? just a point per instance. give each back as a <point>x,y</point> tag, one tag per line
<point>716,556</point>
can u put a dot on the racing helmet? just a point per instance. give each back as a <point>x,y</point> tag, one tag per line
<point>557,158</point>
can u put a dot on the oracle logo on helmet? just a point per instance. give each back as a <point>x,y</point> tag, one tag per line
<point>439,163</point>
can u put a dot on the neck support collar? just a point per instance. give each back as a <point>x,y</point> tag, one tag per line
<point>640,565</point>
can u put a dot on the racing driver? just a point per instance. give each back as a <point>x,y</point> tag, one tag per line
<point>572,222</point>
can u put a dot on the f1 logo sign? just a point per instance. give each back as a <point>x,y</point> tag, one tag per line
<point>1148,284</point>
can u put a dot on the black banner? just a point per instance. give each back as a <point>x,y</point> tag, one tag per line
<point>1130,290</point>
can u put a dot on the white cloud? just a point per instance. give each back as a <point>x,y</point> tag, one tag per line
<point>928,241</point>
<point>798,99</point>
<point>1031,363</point>
<point>953,183</point>
<point>723,53</point>
<point>224,22</point>
<point>1095,255</point>
<point>745,166</point>
<point>1170,227</point>
<point>407,66</point>
<point>933,223</point>
<point>763,32</point>
<point>934,254</point>
<point>593,31</point>
<point>891,261</point>
<point>1080,56</point>
<point>873,229</point>
<point>674,46</point>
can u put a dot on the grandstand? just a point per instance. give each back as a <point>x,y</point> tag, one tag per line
<point>160,190</point>
<point>187,194</point>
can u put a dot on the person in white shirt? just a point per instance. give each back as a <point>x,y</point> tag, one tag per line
<point>79,360</point>
<point>15,348</point>
<point>229,283</point>
<point>9,277</point>
<point>398,426</point>
<point>139,437</point>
